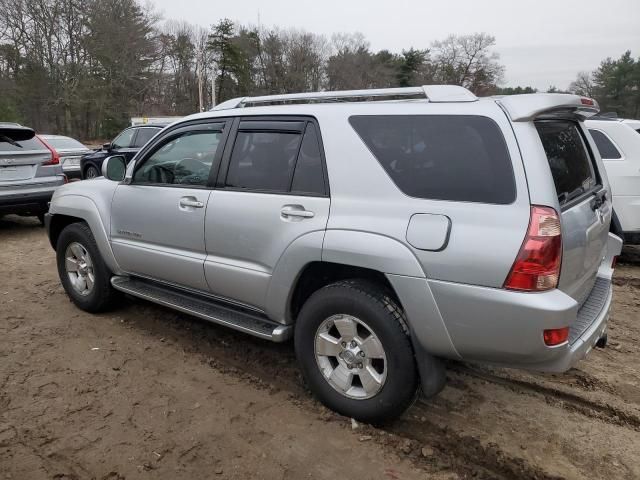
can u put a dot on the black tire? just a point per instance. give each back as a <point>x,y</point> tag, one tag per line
<point>371,304</point>
<point>41,218</point>
<point>91,172</point>
<point>102,296</point>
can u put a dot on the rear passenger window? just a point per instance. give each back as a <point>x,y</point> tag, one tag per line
<point>263,160</point>
<point>144,135</point>
<point>441,157</point>
<point>605,146</point>
<point>308,176</point>
<point>571,166</point>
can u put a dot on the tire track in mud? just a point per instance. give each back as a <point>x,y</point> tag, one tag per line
<point>248,360</point>
<point>574,403</point>
<point>632,282</point>
<point>466,454</point>
<point>273,367</point>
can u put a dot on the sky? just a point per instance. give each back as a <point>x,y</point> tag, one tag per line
<point>540,42</point>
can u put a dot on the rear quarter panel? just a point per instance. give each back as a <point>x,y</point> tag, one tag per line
<point>484,239</point>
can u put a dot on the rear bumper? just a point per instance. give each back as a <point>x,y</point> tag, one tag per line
<point>30,199</point>
<point>505,328</point>
<point>579,347</point>
<point>71,170</point>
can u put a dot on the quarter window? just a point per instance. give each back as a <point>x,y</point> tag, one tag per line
<point>144,135</point>
<point>183,160</point>
<point>605,146</point>
<point>441,157</point>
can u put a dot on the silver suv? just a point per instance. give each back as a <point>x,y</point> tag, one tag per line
<point>30,171</point>
<point>385,230</point>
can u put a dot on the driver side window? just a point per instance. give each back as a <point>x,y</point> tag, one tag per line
<point>183,160</point>
<point>125,139</point>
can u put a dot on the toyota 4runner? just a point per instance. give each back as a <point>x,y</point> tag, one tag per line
<point>385,230</point>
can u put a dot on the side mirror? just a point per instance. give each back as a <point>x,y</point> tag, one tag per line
<point>114,168</point>
<point>107,147</point>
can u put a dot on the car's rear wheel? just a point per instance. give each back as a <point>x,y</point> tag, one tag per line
<point>91,172</point>
<point>83,273</point>
<point>353,346</point>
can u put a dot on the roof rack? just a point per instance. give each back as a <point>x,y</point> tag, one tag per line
<point>432,93</point>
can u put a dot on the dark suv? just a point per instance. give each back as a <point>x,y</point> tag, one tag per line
<point>127,144</point>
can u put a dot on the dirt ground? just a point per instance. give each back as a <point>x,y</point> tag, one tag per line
<point>144,392</point>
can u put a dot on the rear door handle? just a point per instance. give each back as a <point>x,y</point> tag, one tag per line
<point>296,211</point>
<point>191,202</point>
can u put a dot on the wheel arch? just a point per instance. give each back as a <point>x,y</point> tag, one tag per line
<point>87,165</point>
<point>616,226</point>
<point>68,209</point>
<point>336,255</point>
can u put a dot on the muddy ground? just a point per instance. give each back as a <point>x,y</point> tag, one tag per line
<point>144,392</point>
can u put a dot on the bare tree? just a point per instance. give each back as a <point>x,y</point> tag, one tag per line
<point>583,85</point>
<point>467,60</point>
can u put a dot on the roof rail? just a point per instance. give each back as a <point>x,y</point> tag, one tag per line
<point>433,93</point>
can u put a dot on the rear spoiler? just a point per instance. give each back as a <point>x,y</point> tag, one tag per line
<point>527,107</point>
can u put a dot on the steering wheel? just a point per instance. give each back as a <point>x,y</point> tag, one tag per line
<point>190,171</point>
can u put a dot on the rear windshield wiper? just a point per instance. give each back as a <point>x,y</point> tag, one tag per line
<point>10,141</point>
<point>565,197</point>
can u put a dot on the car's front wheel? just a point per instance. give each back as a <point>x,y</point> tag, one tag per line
<point>83,273</point>
<point>353,346</point>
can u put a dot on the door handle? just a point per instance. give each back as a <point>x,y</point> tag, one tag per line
<point>191,202</point>
<point>296,211</point>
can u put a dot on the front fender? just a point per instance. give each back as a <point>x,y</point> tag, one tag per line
<point>84,208</point>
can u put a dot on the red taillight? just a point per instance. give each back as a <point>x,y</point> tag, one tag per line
<point>587,101</point>
<point>614,262</point>
<point>55,157</point>
<point>555,336</point>
<point>537,266</point>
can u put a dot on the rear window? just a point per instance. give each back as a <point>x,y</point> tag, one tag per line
<point>571,165</point>
<point>605,146</point>
<point>33,144</point>
<point>441,157</point>
<point>64,143</point>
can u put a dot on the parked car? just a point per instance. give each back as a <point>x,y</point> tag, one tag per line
<point>29,172</point>
<point>383,236</point>
<point>619,145</point>
<point>127,144</point>
<point>69,150</point>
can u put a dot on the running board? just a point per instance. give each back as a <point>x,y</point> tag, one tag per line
<point>200,306</point>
